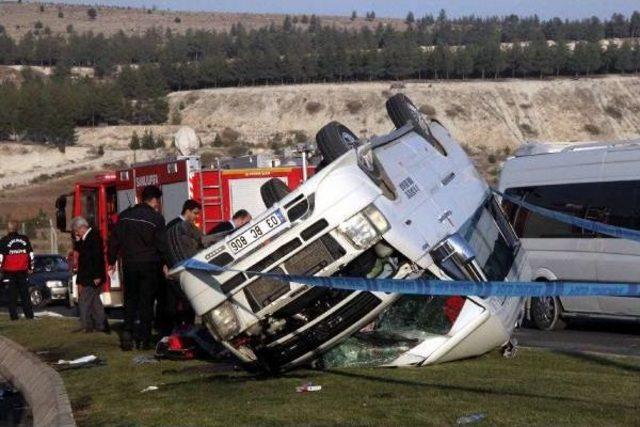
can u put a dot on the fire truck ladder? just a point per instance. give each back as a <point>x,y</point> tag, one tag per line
<point>215,200</point>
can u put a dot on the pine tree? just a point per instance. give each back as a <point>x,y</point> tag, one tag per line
<point>560,55</point>
<point>354,15</point>
<point>92,13</point>
<point>410,19</point>
<point>134,143</point>
<point>287,25</point>
<point>624,61</point>
<point>160,142</point>
<point>147,142</point>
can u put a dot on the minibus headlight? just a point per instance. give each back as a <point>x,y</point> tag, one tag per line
<point>365,227</point>
<point>377,219</point>
<point>223,321</point>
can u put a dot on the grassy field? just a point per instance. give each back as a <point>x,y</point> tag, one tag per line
<point>536,387</point>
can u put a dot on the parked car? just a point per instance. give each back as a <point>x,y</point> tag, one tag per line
<point>48,283</point>
<point>595,181</point>
<point>404,205</point>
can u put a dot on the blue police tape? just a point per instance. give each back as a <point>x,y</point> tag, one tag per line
<point>442,287</point>
<point>596,227</point>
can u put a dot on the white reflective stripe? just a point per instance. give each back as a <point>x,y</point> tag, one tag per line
<point>139,220</point>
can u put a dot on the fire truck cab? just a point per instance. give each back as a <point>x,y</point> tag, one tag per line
<point>230,185</point>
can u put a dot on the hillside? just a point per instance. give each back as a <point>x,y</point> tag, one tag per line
<point>19,18</point>
<point>494,114</point>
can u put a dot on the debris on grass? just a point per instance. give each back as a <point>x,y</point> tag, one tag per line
<point>471,418</point>
<point>510,350</point>
<point>81,362</point>
<point>144,360</point>
<point>150,388</point>
<point>308,387</point>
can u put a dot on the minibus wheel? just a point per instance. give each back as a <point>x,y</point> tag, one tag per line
<point>401,110</point>
<point>273,191</point>
<point>546,313</point>
<point>335,139</point>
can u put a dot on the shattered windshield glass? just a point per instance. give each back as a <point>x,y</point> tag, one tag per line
<point>413,318</point>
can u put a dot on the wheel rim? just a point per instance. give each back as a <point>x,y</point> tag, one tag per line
<point>417,115</point>
<point>36,297</point>
<point>546,310</point>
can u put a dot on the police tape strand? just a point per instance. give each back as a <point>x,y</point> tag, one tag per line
<point>596,227</point>
<point>423,286</point>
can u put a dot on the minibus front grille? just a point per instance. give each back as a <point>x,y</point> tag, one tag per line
<point>326,329</point>
<point>316,256</point>
<point>265,290</point>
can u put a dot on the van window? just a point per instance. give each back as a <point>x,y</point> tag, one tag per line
<point>615,203</point>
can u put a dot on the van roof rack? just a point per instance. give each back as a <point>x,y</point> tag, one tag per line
<point>533,148</point>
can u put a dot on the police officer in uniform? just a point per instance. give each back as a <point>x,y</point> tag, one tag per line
<point>139,239</point>
<point>16,261</point>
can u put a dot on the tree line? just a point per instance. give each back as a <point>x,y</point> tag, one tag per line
<point>310,52</point>
<point>48,110</point>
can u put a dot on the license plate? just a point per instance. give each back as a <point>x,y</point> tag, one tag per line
<point>256,232</point>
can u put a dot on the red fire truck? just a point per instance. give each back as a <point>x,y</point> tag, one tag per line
<point>230,185</point>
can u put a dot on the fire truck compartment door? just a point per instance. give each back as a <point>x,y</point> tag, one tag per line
<point>245,194</point>
<point>173,197</point>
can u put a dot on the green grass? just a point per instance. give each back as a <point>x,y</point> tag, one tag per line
<point>537,387</point>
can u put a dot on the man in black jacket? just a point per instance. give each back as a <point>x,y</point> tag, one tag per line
<point>139,239</point>
<point>16,261</point>
<point>184,241</point>
<point>90,275</point>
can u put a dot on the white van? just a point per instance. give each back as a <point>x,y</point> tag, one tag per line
<point>405,205</point>
<point>596,181</point>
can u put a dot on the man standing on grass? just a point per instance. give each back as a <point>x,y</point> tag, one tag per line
<point>16,262</point>
<point>90,276</point>
<point>139,239</point>
<point>185,240</point>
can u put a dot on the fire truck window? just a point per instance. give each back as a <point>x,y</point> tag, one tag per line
<point>89,202</point>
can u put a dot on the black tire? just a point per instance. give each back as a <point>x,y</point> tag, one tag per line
<point>546,313</point>
<point>273,191</point>
<point>401,111</point>
<point>335,139</point>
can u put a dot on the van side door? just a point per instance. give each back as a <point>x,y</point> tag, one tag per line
<point>619,259</point>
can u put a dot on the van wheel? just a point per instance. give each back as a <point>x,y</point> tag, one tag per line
<point>401,110</point>
<point>546,313</point>
<point>273,191</point>
<point>335,139</point>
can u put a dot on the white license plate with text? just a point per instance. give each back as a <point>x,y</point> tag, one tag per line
<point>256,232</point>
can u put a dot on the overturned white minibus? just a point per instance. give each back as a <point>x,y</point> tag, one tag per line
<point>405,205</point>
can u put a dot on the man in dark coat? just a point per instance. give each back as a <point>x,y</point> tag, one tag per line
<point>90,276</point>
<point>139,239</point>
<point>16,261</point>
<point>184,241</point>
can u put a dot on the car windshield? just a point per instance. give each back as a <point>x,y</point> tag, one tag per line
<point>51,264</point>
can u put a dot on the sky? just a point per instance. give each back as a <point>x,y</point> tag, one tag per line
<point>392,8</point>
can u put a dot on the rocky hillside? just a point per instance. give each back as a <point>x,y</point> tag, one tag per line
<point>489,113</point>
